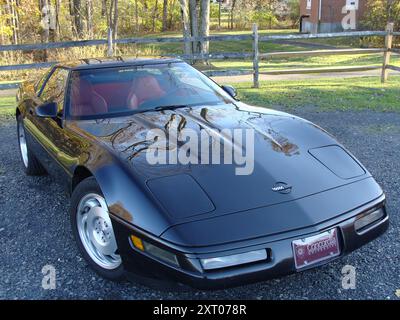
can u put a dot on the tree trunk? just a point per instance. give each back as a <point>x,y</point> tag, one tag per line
<point>2,26</point>
<point>41,55</point>
<point>103,8</point>
<point>185,25</point>
<point>57,17</point>
<point>145,15</point>
<point>270,4</point>
<point>89,12</point>
<point>13,20</point>
<point>232,11</point>
<point>16,22</point>
<point>165,15</point>
<point>171,13</point>
<point>154,16</point>
<point>137,26</point>
<point>75,11</point>
<point>205,25</point>
<point>115,22</point>
<point>219,15</point>
<point>43,5</point>
<point>194,24</point>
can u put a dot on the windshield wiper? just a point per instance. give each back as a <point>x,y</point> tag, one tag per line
<point>160,108</point>
<point>172,107</point>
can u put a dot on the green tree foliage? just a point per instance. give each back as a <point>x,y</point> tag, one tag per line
<point>21,21</point>
<point>294,11</point>
<point>263,12</point>
<point>380,12</point>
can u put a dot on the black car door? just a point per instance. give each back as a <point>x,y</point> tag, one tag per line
<point>51,145</point>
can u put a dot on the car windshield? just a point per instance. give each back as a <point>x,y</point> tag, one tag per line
<point>118,91</point>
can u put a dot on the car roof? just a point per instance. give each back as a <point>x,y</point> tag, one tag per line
<point>95,63</point>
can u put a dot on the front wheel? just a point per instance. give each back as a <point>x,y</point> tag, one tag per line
<point>93,231</point>
<point>31,165</point>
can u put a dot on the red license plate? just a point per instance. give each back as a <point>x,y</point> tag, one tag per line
<point>311,250</point>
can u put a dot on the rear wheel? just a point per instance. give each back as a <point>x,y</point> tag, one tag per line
<point>31,165</point>
<point>93,231</point>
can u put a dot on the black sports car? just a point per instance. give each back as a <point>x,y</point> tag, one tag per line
<point>292,199</point>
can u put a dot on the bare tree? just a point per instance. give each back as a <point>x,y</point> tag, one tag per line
<point>137,25</point>
<point>13,19</point>
<point>154,16</point>
<point>89,18</point>
<point>76,14</point>
<point>165,15</point>
<point>41,55</point>
<point>112,18</point>
<point>57,18</point>
<point>185,25</point>
<point>43,5</point>
<point>2,26</point>
<point>115,20</point>
<point>194,23</point>
<point>233,6</point>
<point>103,8</point>
<point>171,13</point>
<point>205,25</point>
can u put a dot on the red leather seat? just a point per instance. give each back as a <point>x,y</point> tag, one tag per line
<point>143,89</point>
<point>85,100</point>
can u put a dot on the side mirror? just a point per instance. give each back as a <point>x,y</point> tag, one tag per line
<point>47,110</point>
<point>230,90</point>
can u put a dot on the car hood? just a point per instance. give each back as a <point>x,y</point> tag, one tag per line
<point>293,159</point>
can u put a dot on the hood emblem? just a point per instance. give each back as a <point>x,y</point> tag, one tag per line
<point>282,187</point>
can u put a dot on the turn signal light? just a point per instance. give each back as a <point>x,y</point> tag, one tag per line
<point>154,251</point>
<point>137,243</point>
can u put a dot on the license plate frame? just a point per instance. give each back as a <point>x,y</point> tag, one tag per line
<point>315,249</point>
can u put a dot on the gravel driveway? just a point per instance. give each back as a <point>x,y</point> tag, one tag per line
<point>35,231</point>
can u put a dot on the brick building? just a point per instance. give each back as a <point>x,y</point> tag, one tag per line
<point>320,16</point>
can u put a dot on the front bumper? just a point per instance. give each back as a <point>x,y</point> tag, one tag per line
<point>281,261</point>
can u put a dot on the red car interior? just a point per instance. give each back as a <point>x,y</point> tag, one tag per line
<point>143,89</point>
<point>85,100</point>
<point>88,99</point>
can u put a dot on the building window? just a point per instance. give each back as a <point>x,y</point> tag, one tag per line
<point>309,3</point>
<point>352,4</point>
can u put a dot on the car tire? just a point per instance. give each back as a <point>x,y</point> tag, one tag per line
<point>93,232</point>
<point>31,164</point>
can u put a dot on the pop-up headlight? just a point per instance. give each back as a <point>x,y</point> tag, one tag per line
<point>368,219</point>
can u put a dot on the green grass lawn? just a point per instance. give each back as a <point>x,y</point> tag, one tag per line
<point>308,62</point>
<point>7,106</point>
<point>215,46</point>
<point>238,46</point>
<point>265,47</point>
<point>326,94</point>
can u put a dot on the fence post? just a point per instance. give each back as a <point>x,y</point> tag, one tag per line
<point>109,43</point>
<point>256,83</point>
<point>387,53</point>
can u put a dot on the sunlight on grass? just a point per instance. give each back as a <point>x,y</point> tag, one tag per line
<point>7,101</point>
<point>7,107</point>
<point>330,94</point>
<point>309,62</point>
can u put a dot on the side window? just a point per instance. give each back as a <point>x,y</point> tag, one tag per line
<point>39,84</point>
<point>55,87</point>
